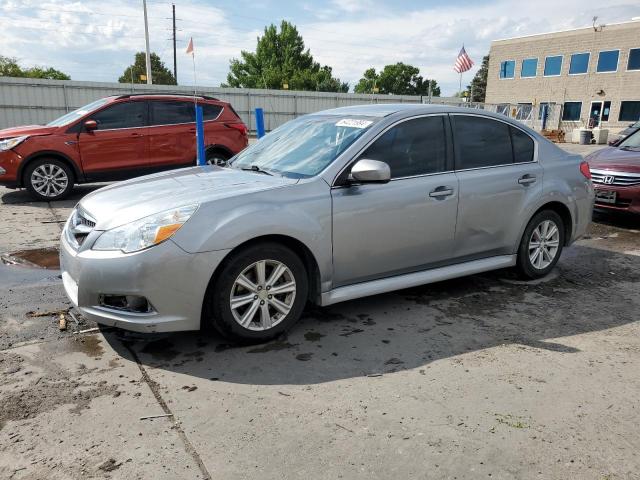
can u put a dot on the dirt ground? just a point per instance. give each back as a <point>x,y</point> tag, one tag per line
<point>480,377</point>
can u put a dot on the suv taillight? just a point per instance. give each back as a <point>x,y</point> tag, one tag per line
<point>241,127</point>
<point>584,169</point>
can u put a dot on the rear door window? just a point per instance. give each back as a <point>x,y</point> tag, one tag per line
<point>414,147</point>
<point>122,115</point>
<point>523,147</point>
<point>481,142</point>
<point>172,112</point>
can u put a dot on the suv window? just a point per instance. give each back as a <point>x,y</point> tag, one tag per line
<point>121,115</point>
<point>523,147</point>
<point>414,147</point>
<point>210,112</point>
<point>481,142</point>
<point>172,112</point>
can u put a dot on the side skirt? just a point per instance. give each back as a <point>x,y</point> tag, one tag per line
<point>409,280</point>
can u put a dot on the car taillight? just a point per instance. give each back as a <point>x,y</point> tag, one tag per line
<point>241,127</point>
<point>584,169</point>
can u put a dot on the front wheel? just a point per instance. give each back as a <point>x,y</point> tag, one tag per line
<point>48,179</point>
<point>259,294</point>
<point>541,245</point>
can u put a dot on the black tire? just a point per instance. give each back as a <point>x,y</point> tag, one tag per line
<point>525,266</point>
<point>216,157</point>
<point>217,311</point>
<point>52,165</point>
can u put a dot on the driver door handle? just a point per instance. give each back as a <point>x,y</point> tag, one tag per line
<point>441,192</point>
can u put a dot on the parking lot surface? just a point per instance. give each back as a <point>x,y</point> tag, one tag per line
<point>479,377</point>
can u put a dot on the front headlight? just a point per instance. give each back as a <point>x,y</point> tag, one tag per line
<point>10,143</point>
<point>146,232</point>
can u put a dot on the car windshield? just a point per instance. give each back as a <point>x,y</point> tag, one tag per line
<point>304,147</point>
<point>71,117</point>
<point>632,142</point>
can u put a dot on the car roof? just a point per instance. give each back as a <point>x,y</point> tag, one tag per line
<point>386,109</point>
<point>398,111</point>
<point>172,96</point>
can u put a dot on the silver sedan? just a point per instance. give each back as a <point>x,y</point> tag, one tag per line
<point>329,207</point>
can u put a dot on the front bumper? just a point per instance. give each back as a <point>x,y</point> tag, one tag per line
<point>627,199</point>
<point>9,165</point>
<point>173,281</point>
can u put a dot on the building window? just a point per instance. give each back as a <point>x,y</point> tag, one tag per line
<point>541,109</point>
<point>571,111</point>
<point>608,61</point>
<point>507,69</point>
<point>634,59</point>
<point>529,67</point>
<point>629,111</point>
<point>523,111</point>
<point>579,63</point>
<point>606,110</point>
<point>553,66</point>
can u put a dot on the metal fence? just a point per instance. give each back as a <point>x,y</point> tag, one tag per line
<point>537,117</point>
<point>25,101</point>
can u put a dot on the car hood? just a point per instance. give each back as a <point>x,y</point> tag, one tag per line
<point>612,158</point>
<point>26,130</point>
<point>131,200</point>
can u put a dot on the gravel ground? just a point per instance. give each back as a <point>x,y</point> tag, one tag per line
<point>480,377</point>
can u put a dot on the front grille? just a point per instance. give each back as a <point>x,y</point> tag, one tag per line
<point>79,227</point>
<point>618,179</point>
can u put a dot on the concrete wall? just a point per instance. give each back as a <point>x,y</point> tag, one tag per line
<point>615,87</point>
<point>25,101</point>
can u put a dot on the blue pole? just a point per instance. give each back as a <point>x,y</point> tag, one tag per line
<point>260,122</point>
<point>202,160</point>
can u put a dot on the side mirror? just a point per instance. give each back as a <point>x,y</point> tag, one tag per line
<point>370,171</point>
<point>90,125</point>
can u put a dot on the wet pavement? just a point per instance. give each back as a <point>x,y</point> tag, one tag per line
<point>480,377</point>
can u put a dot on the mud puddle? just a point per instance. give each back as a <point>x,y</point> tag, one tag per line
<point>47,258</point>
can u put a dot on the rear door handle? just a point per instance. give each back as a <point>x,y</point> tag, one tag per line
<point>527,179</point>
<point>441,192</point>
<point>136,134</point>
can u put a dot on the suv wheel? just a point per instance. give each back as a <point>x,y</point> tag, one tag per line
<point>541,245</point>
<point>259,294</point>
<point>48,179</point>
<point>216,157</point>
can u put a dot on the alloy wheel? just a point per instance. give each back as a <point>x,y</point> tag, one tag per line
<point>49,180</point>
<point>544,244</point>
<point>262,295</point>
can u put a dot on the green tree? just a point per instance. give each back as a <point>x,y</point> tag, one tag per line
<point>160,75</point>
<point>9,67</point>
<point>397,79</point>
<point>478,85</point>
<point>281,59</point>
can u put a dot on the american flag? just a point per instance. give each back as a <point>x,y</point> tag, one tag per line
<point>463,62</point>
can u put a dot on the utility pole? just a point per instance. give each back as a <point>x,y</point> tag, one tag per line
<point>175,61</point>
<point>146,38</point>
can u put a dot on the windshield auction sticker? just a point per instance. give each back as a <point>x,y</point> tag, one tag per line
<point>353,123</point>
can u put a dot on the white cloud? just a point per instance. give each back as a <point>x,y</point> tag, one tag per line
<point>349,35</point>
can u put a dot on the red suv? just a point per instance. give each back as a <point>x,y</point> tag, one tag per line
<point>115,138</point>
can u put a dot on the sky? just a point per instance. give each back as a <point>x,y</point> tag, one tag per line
<point>96,40</point>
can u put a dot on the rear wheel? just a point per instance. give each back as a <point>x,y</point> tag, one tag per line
<point>259,294</point>
<point>216,157</point>
<point>48,179</point>
<point>541,245</point>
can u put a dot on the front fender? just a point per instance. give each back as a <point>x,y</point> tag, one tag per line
<point>301,212</point>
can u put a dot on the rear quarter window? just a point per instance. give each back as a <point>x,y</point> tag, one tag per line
<point>210,112</point>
